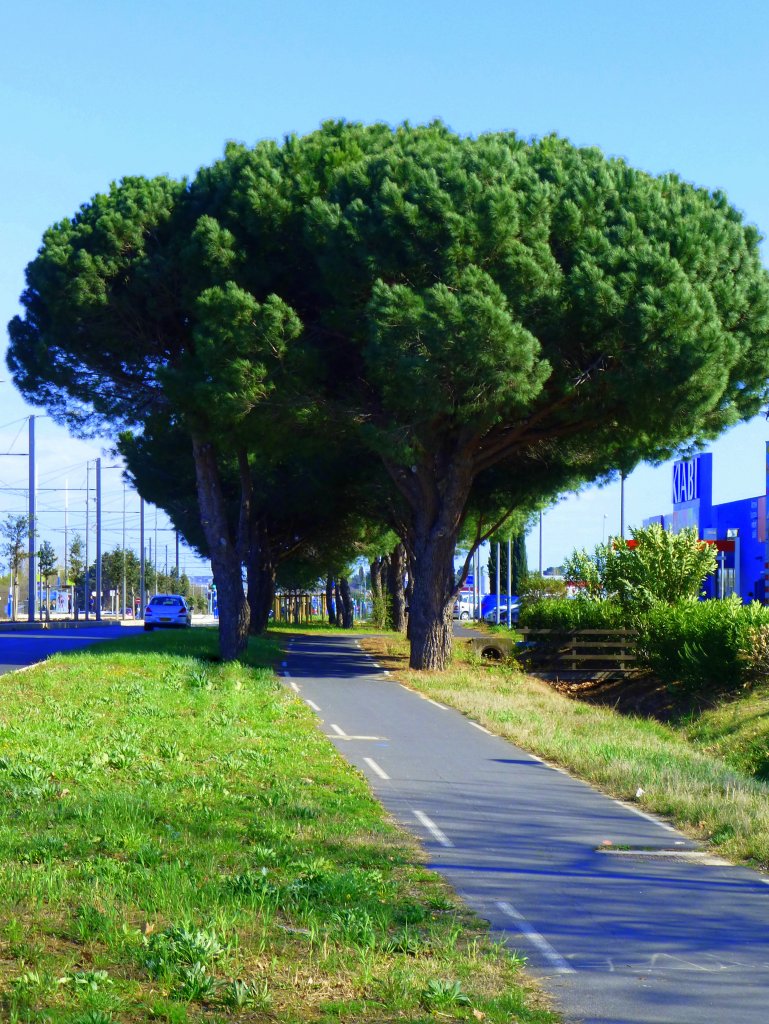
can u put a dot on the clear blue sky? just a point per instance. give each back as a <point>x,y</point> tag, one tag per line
<point>92,91</point>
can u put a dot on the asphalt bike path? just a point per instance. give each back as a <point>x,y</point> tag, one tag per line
<point>650,931</point>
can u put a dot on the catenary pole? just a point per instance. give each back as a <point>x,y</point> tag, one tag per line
<point>499,595</point>
<point>122,608</point>
<point>509,581</point>
<point>142,589</point>
<point>98,540</point>
<point>87,584</point>
<point>31,524</point>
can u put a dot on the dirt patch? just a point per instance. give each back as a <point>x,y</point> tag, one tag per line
<point>640,694</point>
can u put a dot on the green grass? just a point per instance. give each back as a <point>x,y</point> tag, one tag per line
<point>180,843</point>
<point>706,774</point>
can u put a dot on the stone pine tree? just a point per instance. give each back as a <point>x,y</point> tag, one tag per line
<point>501,320</point>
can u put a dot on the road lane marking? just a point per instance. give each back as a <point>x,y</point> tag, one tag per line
<point>294,687</point>
<point>337,730</point>
<point>552,956</point>
<point>649,817</point>
<point>375,768</point>
<point>433,829</point>
<point>435,702</point>
<point>475,725</point>
<point>312,704</point>
<point>345,736</point>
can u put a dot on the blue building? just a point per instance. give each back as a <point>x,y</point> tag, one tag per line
<point>736,528</point>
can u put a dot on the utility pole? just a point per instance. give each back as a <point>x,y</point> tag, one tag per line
<point>509,581</point>
<point>87,584</point>
<point>122,608</point>
<point>66,536</point>
<point>499,595</point>
<point>157,552</point>
<point>622,505</point>
<point>540,543</point>
<point>142,591</point>
<point>32,574</point>
<point>177,555</point>
<point>98,540</point>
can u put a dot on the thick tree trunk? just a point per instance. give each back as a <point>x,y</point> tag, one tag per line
<point>261,594</point>
<point>396,569</point>
<point>330,610</point>
<point>261,572</point>
<point>432,605</point>
<point>226,551</point>
<point>409,595</point>
<point>347,607</point>
<point>375,568</point>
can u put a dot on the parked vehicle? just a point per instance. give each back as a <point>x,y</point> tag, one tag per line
<point>489,608</point>
<point>167,610</point>
<point>463,607</point>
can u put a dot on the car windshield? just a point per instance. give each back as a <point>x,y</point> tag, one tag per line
<point>167,602</point>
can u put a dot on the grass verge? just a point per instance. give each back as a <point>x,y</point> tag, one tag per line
<point>696,773</point>
<point>180,843</point>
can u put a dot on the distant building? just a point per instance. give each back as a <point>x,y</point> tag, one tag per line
<point>737,529</point>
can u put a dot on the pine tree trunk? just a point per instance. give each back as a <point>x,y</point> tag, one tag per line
<point>330,610</point>
<point>347,606</point>
<point>395,573</point>
<point>261,571</point>
<point>261,594</point>
<point>409,595</point>
<point>226,551</point>
<point>431,625</point>
<point>375,569</point>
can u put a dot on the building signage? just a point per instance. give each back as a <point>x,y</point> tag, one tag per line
<point>686,481</point>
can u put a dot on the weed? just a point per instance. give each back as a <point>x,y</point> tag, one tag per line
<point>195,984</point>
<point>91,1017</point>
<point>440,994</point>
<point>87,981</point>
<point>241,995</point>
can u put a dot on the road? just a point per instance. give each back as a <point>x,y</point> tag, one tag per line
<point>655,932</point>
<point>22,648</point>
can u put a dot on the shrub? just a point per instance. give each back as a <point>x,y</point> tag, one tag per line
<point>701,648</point>
<point>535,586</point>
<point>562,613</point>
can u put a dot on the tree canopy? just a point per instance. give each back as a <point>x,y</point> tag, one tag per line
<point>499,320</point>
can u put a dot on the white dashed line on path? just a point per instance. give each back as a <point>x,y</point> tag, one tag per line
<point>294,687</point>
<point>643,814</point>
<point>552,956</point>
<point>375,768</point>
<point>475,725</point>
<point>337,730</point>
<point>313,705</point>
<point>433,829</point>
